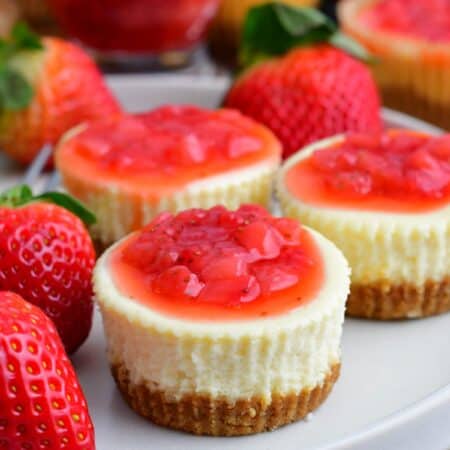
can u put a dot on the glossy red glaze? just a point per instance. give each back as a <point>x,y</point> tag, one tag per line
<point>219,265</point>
<point>399,171</point>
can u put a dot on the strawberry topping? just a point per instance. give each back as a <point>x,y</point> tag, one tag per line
<point>423,19</point>
<point>395,164</point>
<point>399,171</point>
<point>168,138</point>
<point>220,257</point>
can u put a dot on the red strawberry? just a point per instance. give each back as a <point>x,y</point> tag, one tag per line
<point>311,92</point>
<point>47,256</point>
<point>42,405</point>
<point>56,86</point>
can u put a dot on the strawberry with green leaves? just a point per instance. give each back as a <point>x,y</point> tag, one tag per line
<point>303,79</point>
<point>42,405</point>
<point>47,86</point>
<point>47,256</point>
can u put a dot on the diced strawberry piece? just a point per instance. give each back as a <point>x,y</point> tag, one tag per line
<point>441,148</point>
<point>225,267</point>
<point>355,182</point>
<point>272,279</point>
<point>178,281</point>
<point>260,239</point>
<point>396,163</point>
<point>240,146</point>
<point>290,229</point>
<point>233,291</point>
<point>187,151</point>
<point>168,139</point>
<point>212,255</point>
<point>421,159</point>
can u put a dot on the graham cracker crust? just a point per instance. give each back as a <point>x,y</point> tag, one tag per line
<point>206,415</point>
<point>384,301</point>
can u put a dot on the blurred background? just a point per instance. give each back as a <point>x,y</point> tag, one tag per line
<point>146,35</point>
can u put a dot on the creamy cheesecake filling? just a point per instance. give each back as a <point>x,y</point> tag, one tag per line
<point>236,359</point>
<point>381,246</point>
<point>119,212</point>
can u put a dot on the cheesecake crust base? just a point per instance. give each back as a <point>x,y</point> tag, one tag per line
<point>384,301</point>
<point>205,415</point>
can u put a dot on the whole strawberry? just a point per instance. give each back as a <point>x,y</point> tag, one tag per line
<point>42,405</point>
<point>316,90</point>
<point>47,256</point>
<point>46,87</point>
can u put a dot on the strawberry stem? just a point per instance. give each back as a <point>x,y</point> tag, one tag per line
<point>274,28</point>
<point>22,195</point>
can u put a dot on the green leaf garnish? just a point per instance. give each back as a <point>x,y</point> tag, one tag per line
<point>16,196</point>
<point>274,28</point>
<point>349,45</point>
<point>16,92</point>
<point>69,203</point>
<point>24,39</point>
<point>22,195</point>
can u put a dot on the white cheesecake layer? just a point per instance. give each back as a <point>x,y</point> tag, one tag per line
<point>120,212</point>
<point>235,359</point>
<point>379,246</point>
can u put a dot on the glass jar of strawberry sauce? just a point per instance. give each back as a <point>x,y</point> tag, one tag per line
<point>149,31</point>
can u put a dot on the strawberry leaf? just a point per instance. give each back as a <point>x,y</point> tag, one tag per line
<point>22,195</point>
<point>352,47</point>
<point>274,28</point>
<point>69,203</point>
<point>24,39</point>
<point>16,196</point>
<point>15,91</point>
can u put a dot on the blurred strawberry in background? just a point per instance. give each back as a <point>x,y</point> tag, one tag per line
<point>47,86</point>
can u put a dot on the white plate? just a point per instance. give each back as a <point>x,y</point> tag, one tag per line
<point>394,390</point>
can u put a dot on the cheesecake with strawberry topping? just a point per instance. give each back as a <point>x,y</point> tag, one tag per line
<point>128,168</point>
<point>223,322</point>
<point>411,42</point>
<point>384,200</point>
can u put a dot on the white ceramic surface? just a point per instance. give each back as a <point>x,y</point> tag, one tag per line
<point>394,391</point>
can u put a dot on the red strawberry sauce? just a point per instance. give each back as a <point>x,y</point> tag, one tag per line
<point>218,264</point>
<point>135,26</point>
<point>398,171</point>
<point>422,19</point>
<point>159,152</point>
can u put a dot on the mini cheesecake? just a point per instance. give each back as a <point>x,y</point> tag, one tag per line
<point>127,169</point>
<point>223,323</point>
<point>384,200</point>
<point>411,42</point>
